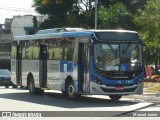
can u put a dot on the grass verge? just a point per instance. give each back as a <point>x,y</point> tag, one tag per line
<point>152,86</point>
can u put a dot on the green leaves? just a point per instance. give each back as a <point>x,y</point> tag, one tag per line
<point>56,10</point>
<point>116,16</point>
<point>148,22</point>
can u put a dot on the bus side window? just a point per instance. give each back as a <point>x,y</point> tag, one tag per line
<point>54,50</point>
<point>26,50</point>
<point>35,50</point>
<point>68,48</point>
<point>14,49</point>
<point>57,53</point>
<point>23,52</point>
<point>30,50</point>
<point>68,55</point>
<point>50,53</point>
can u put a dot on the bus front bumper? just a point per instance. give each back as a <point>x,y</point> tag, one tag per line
<point>97,89</point>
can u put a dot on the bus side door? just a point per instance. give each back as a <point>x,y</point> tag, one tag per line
<point>43,65</point>
<point>83,59</point>
<point>19,65</point>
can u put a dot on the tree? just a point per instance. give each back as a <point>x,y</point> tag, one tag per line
<point>115,16</point>
<point>74,13</point>
<point>56,10</point>
<point>130,6</point>
<point>148,22</point>
<point>35,22</point>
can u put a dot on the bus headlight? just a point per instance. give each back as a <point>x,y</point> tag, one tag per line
<point>96,80</point>
<point>140,80</point>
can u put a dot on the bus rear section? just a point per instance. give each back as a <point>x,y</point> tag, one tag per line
<point>52,61</point>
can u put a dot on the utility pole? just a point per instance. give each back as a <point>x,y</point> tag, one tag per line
<point>96,2</point>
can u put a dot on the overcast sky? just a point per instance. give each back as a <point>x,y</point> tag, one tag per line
<point>10,8</point>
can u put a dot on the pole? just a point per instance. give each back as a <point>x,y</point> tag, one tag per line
<point>96,1</point>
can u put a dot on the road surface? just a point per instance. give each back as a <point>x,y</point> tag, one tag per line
<point>19,103</point>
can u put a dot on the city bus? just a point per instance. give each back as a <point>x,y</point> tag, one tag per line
<point>79,62</point>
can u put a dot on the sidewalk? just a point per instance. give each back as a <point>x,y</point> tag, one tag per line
<point>149,92</point>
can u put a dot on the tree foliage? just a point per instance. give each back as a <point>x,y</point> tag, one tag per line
<point>132,5</point>
<point>115,16</point>
<point>128,6</point>
<point>56,10</point>
<point>74,13</point>
<point>80,13</point>
<point>148,22</point>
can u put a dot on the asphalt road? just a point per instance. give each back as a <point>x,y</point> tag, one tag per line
<point>19,103</point>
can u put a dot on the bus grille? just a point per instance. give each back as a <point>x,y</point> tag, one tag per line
<point>118,91</point>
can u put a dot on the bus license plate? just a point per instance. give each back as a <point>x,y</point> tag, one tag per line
<point>119,88</point>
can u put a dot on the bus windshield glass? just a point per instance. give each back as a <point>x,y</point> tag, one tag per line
<point>117,57</point>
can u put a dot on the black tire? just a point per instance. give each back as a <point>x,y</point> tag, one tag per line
<point>39,91</point>
<point>32,89</point>
<point>115,97</point>
<point>26,87</point>
<point>70,91</point>
<point>21,87</point>
<point>6,86</point>
<point>14,86</point>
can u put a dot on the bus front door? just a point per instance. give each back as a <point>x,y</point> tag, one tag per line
<point>43,65</point>
<point>19,65</point>
<point>83,67</point>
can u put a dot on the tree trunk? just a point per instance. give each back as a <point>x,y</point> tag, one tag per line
<point>156,66</point>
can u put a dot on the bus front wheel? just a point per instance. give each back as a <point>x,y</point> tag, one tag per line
<point>115,97</point>
<point>70,91</point>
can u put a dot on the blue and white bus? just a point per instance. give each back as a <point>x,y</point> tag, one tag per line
<point>78,61</point>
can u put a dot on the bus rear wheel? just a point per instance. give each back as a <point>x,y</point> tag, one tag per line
<point>115,97</point>
<point>14,86</point>
<point>7,86</point>
<point>71,92</point>
<point>32,89</point>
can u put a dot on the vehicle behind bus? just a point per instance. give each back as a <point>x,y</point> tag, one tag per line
<point>78,61</point>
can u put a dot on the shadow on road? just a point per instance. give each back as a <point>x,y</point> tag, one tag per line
<point>57,99</point>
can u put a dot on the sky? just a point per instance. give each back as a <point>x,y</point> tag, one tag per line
<point>10,8</point>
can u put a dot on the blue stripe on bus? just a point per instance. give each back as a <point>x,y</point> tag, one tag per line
<point>67,64</point>
<point>76,34</point>
<point>115,82</point>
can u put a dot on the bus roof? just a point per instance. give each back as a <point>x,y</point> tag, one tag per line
<point>116,30</point>
<point>53,35</point>
<point>116,35</point>
<point>56,30</point>
<point>77,32</point>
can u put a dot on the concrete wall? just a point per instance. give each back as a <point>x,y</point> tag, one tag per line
<point>21,22</point>
<point>5,37</point>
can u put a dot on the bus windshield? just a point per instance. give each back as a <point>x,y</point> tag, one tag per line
<point>118,57</point>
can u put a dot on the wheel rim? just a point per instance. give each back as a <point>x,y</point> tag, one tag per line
<point>71,90</point>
